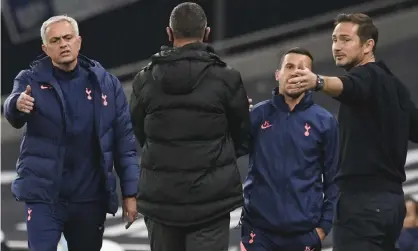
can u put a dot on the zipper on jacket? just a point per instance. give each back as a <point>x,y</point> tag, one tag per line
<point>57,181</point>
<point>285,185</point>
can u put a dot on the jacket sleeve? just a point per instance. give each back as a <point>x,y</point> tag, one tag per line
<point>16,118</point>
<point>137,108</point>
<point>330,157</point>
<point>357,86</point>
<point>406,241</point>
<point>256,116</point>
<point>238,116</point>
<point>126,159</point>
<point>413,127</point>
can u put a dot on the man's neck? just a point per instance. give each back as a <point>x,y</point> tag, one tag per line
<point>291,102</point>
<point>182,42</point>
<point>367,59</point>
<point>66,67</point>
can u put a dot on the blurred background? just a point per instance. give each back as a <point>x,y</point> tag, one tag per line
<point>248,34</point>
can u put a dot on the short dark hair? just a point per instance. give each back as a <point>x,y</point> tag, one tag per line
<point>409,198</point>
<point>366,28</point>
<point>297,50</point>
<point>188,20</point>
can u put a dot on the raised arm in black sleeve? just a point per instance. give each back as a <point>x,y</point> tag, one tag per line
<point>238,115</point>
<point>357,86</point>
<point>137,108</point>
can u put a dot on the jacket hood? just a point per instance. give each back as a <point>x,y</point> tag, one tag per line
<point>180,70</point>
<point>279,102</point>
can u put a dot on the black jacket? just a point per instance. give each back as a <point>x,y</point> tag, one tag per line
<point>190,115</point>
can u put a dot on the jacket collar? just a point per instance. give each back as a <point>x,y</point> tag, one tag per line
<point>193,51</point>
<point>43,69</point>
<point>278,101</point>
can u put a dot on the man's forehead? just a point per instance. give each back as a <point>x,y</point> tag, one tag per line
<point>294,58</point>
<point>61,28</point>
<point>345,28</point>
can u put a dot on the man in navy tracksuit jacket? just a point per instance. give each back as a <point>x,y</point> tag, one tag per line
<point>289,191</point>
<point>77,128</point>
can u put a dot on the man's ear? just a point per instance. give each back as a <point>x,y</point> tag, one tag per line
<point>368,46</point>
<point>277,74</point>
<point>44,49</point>
<point>207,33</point>
<point>79,40</point>
<point>169,34</point>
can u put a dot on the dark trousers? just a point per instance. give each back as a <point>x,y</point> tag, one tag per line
<point>255,239</point>
<point>82,225</point>
<point>368,221</point>
<point>211,236</point>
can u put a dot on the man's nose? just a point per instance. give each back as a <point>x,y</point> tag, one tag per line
<point>293,74</point>
<point>336,47</point>
<point>63,46</point>
<point>63,43</point>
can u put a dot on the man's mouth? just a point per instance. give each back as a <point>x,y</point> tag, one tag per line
<point>65,52</point>
<point>338,57</point>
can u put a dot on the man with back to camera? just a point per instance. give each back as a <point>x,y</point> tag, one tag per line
<point>377,119</point>
<point>189,112</point>
<point>77,127</point>
<point>294,142</point>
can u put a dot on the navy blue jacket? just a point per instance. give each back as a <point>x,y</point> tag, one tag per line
<point>40,164</point>
<point>290,151</point>
<point>408,240</point>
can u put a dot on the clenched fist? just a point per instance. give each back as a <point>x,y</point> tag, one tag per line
<point>25,102</point>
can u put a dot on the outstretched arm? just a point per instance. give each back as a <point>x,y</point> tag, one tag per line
<point>353,87</point>
<point>15,117</point>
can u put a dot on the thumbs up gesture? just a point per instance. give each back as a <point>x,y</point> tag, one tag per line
<point>25,102</point>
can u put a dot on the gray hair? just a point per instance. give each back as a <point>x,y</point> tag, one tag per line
<point>56,19</point>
